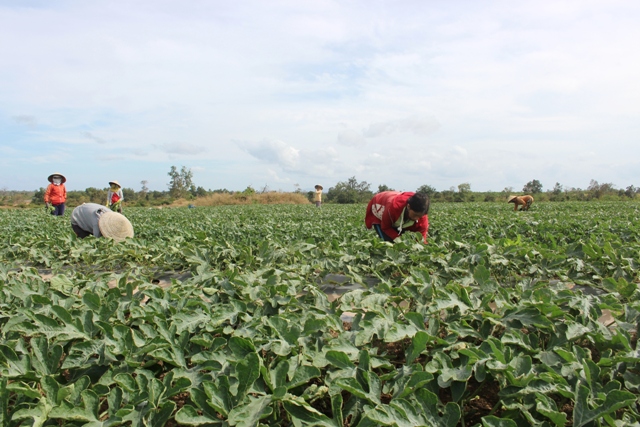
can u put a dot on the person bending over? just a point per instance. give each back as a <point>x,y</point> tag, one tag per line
<point>524,201</point>
<point>98,220</point>
<point>392,213</point>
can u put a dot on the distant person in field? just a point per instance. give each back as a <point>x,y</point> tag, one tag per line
<point>98,220</point>
<point>524,201</point>
<point>318,196</point>
<point>114,196</point>
<point>391,213</point>
<point>55,196</point>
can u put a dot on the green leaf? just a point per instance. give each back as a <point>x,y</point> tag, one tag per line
<point>493,421</point>
<point>248,371</point>
<point>301,411</point>
<point>241,347</point>
<point>582,414</point>
<point>339,359</point>
<point>4,402</point>
<point>547,407</point>
<point>190,321</point>
<point>188,415</point>
<point>418,345</point>
<point>88,412</point>
<point>62,283</point>
<point>248,415</point>
<point>38,413</point>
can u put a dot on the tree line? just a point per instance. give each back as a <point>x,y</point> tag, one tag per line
<point>352,191</point>
<point>181,186</point>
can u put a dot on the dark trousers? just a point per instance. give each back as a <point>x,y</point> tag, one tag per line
<point>80,232</point>
<point>381,233</point>
<point>58,210</point>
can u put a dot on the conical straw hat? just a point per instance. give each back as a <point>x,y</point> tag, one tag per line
<point>50,179</point>
<point>115,226</point>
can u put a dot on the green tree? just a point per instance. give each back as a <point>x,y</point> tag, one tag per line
<point>96,195</point>
<point>383,187</point>
<point>427,189</point>
<point>38,197</point>
<point>129,195</point>
<point>631,191</point>
<point>144,190</point>
<point>181,182</point>
<point>464,188</point>
<point>350,191</point>
<point>598,190</point>
<point>532,187</point>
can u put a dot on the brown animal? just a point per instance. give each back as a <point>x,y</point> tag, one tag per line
<point>524,201</point>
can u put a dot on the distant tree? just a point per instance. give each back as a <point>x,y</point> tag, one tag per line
<point>427,189</point>
<point>532,187</point>
<point>96,195</point>
<point>383,187</point>
<point>557,189</point>
<point>129,195</point>
<point>598,190</point>
<point>181,182</point>
<point>144,190</point>
<point>350,191</point>
<point>506,192</point>
<point>631,191</point>
<point>448,195</point>
<point>198,192</point>
<point>464,188</point>
<point>38,197</point>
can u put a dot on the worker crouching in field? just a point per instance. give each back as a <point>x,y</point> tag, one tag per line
<point>524,201</point>
<point>391,213</point>
<point>92,218</point>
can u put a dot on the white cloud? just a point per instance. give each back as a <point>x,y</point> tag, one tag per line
<point>416,125</point>
<point>93,137</point>
<point>351,138</point>
<point>181,148</point>
<point>29,121</point>
<point>273,151</point>
<point>443,94</point>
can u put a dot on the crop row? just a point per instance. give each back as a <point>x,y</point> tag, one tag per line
<point>497,321</point>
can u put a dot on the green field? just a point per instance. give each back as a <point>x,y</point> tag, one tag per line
<point>219,316</point>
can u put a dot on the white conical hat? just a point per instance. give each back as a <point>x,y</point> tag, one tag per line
<point>50,179</point>
<point>115,226</point>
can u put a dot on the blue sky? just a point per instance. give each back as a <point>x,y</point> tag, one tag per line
<point>286,93</point>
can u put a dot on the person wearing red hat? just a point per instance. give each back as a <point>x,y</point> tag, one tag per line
<point>55,196</point>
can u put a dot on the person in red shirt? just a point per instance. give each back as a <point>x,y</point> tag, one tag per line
<point>391,213</point>
<point>55,195</point>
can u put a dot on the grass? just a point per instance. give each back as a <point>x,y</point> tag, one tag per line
<point>270,198</point>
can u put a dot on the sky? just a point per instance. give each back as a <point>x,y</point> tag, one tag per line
<point>286,94</point>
